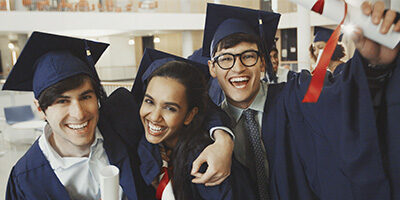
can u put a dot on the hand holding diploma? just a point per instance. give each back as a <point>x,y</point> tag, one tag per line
<point>370,50</point>
<point>109,183</point>
<point>334,10</point>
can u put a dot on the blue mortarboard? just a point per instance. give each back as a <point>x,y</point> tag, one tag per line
<point>153,59</point>
<point>197,56</point>
<point>214,90</point>
<point>323,34</point>
<point>222,21</point>
<point>47,59</point>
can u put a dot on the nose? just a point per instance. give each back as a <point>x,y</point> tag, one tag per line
<point>76,110</point>
<point>155,115</point>
<point>238,67</point>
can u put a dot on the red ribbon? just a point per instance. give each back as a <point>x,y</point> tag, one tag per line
<point>317,81</point>
<point>318,6</point>
<point>163,183</point>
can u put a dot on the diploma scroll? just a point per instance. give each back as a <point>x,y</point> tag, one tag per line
<point>109,183</point>
<point>334,10</point>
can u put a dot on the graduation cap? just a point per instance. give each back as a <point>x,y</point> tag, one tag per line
<point>323,34</point>
<point>222,21</point>
<point>214,90</point>
<point>153,59</point>
<point>197,56</point>
<point>47,59</point>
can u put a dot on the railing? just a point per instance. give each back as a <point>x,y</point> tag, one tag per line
<point>110,86</point>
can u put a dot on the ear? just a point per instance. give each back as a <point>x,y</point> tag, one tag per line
<point>211,68</point>
<point>42,115</point>
<point>190,115</point>
<point>263,64</point>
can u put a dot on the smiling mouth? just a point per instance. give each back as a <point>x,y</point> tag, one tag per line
<point>155,129</point>
<point>77,126</point>
<point>239,82</point>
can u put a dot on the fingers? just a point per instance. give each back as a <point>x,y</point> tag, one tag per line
<point>366,8</point>
<point>397,25</point>
<point>197,164</point>
<point>206,177</point>
<point>387,21</point>
<point>377,12</point>
<point>357,35</point>
<point>216,180</point>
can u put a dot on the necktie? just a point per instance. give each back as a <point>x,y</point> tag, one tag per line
<point>254,136</point>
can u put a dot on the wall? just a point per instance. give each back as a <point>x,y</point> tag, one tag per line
<point>118,62</point>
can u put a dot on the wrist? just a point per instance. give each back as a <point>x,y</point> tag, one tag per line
<point>221,137</point>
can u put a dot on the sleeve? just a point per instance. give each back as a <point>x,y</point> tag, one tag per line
<point>13,191</point>
<point>336,134</point>
<point>216,117</point>
<point>222,191</point>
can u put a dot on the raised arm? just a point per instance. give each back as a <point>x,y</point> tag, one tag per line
<point>218,155</point>
<point>373,52</point>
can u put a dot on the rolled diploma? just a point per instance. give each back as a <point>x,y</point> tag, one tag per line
<point>109,183</point>
<point>334,10</point>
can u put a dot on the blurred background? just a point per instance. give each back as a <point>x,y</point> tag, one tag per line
<point>173,26</point>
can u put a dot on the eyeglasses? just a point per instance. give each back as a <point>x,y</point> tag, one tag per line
<point>227,60</point>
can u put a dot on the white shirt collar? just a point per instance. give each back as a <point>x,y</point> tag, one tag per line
<point>56,161</point>
<point>257,104</point>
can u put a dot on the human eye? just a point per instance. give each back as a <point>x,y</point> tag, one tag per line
<point>86,97</point>
<point>171,109</point>
<point>61,101</point>
<point>249,55</point>
<point>148,101</point>
<point>225,58</point>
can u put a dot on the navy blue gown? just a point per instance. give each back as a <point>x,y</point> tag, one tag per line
<point>33,178</point>
<point>337,148</point>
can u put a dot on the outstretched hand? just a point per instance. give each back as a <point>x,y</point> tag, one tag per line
<point>375,53</point>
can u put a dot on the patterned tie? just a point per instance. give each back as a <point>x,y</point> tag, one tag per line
<point>254,135</point>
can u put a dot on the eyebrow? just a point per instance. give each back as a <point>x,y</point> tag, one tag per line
<point>82,94</point>
<point>167,103</point>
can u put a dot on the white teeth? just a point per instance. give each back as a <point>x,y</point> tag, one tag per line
<point>155,128</point>
<point>240,86</point>
<point>239,79</point>
<point>77,126</point>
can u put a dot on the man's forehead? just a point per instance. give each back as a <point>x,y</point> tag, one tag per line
<point>239,48</point>
<point>84,88</point>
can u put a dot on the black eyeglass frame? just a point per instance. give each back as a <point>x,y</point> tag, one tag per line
<point>215,59</point>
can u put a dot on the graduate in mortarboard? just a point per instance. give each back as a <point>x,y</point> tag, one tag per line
<point>321,37</point>
<point>77,142</point>
<point>337,148</point>
<point>174,106</point>
<point>238,41</point>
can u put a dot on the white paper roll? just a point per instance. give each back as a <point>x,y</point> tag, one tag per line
<point>334,10</point>
<point>109,183</point>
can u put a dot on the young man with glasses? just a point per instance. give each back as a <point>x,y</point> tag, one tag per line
<point>238,61</point>
<point>338,148</point>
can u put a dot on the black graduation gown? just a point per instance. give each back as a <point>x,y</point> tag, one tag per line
<point>332,149</point>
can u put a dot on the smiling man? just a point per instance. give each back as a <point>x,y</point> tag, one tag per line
<point>77,142</point>
<point>345,146</point>
<point>239,55</point>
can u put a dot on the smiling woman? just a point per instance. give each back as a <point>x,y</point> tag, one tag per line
<point>172,113</point>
